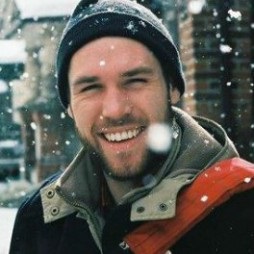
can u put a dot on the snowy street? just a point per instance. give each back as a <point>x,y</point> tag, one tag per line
<point>7,216</point>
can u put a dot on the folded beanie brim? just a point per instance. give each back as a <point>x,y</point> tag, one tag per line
<point>101,24</point>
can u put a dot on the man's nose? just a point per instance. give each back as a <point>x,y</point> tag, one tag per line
<point>116,104</point>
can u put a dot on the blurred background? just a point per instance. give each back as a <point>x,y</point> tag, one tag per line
<point>215,39</point>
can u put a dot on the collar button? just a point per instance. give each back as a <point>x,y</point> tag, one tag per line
<point>163,207</point>
<point>54,210</point>
<point>140,209</point>
<point>50,193</point>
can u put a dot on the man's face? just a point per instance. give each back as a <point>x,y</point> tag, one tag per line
<point>117,91</point>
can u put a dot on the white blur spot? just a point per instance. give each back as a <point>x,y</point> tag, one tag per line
<point>62,115</point>
<point>9,110</point>
<point>159,137</point>
<point>3,87</point>
<point>132,27</point>
<point>196,6</point>
<point>247,179</point>
<point>33,125</point>
<point>47,117</point>
<point>225,48</point>
<point>25,75</point>
<point>141,22</point>
<point>235,14</point>
<point>204,198</point>
<point>217,168</point>
<point>206,141</point>
<point>67,142</point>
<point>102,63</point>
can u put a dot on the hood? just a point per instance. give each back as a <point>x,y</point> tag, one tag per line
<point>203,142</point>
<point>198,143</point>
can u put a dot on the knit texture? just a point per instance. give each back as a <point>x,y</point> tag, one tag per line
<point>95,19</point>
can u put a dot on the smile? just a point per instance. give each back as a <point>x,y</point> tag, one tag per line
<point>122,136</point>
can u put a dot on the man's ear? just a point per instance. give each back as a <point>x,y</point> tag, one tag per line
<point>69,111</point>
<point>174,95</point>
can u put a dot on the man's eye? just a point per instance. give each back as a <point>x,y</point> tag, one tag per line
<point>137,81</point>
<point>90,88</point>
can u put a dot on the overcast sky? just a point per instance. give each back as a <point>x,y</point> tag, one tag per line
<point>45,8</point>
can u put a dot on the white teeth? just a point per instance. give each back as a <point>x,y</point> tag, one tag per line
<point>120,136</point>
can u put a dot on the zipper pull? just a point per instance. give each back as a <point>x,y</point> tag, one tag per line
<point>124,246</point>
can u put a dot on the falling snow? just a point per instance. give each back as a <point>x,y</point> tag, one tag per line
<point>33,125</point>
<point>204,198</point>
<point>196,6</point>
<point>247,179</point>
<point>217,168</point>
<point>159,137</point>
<point>102,63</point>
<point>225,48</point>
<point>235,14</point>
<point>3,87</point>
<point>62,115</point>
<point>206,142</point>
<point>132,27</point>
<point>67,142</point>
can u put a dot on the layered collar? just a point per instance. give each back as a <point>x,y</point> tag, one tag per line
<point>197,144</point>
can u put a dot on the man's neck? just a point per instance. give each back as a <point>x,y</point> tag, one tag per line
<point>119,188</point>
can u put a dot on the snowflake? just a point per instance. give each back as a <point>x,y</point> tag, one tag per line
<point>235,14</point>
<point>204,198</point>
<point>247,179</point>
<point>225,48</point>
<point>131,26</point>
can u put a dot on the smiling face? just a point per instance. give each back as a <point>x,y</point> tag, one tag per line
<point>117,90</point>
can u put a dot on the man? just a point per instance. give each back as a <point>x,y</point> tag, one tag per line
<point>119,74</point>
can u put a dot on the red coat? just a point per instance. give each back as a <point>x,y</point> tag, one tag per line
<point>227,229</point>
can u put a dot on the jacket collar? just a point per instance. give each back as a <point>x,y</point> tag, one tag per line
<point>78,187</point>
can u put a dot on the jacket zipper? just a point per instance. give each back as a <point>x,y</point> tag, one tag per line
<point>92,221</point>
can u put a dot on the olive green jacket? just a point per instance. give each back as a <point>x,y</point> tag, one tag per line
<point>197,144</point>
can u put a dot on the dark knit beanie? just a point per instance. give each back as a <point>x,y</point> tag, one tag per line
<point>94,19</point>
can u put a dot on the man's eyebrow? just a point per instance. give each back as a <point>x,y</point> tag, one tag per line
<point>85,79</point>
<point>137,71</point>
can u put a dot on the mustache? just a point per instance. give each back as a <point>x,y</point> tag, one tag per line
<point>125,120</point>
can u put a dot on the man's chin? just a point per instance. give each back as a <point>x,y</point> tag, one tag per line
<point>126,171</point>
<point>122,174</point>
<point>121,170</point>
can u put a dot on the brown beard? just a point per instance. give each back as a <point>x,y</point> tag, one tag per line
<point>150,164</point>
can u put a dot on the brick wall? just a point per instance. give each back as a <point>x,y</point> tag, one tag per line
<point>216,51</point>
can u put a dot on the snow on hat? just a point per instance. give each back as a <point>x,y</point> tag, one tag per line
<point>93,19</point>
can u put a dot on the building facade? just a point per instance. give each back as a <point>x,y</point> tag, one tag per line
<point>216,43</point>
<point>47,131</point>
